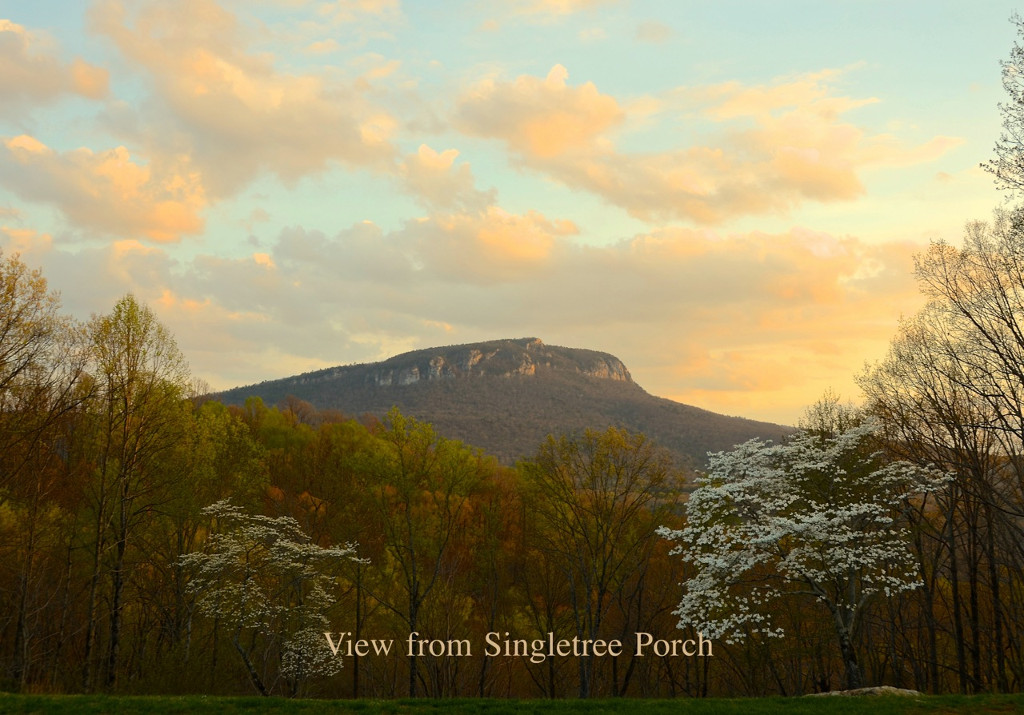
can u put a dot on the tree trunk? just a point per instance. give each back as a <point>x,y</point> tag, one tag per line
<point>254,677</point>
<point>94,581</point>
<point>954,585</point>
<point>853,675</point>
<point>846,649</point>
<point>115,616</point>
<point>997,608</point>
<point>117,595</point>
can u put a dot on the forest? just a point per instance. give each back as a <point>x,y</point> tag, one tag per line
<point>155,540</point>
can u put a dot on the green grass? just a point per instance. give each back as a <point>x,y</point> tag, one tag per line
<point>475,706</point>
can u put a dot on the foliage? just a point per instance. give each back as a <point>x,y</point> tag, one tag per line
<point>420,486</point>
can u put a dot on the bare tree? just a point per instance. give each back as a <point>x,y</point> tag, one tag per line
<point>1008,164</point>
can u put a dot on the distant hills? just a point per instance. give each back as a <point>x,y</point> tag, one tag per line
<point>506,396</point>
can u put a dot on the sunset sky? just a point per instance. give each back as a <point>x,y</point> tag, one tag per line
<point>725,195</point>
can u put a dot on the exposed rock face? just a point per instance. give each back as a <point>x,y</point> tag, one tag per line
<point>503,358</point>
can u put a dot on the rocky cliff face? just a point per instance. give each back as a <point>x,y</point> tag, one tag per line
<point>502,358</point>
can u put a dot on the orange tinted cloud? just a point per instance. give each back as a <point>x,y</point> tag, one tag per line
<point>539,118</point>
<point>763,324</point>
<point>30,74</point>
<point>493,245</point>
<point>775,146</point>
<point>25,241</point>
<point>230,108</point>
<point>439,182</point>
<point>107,191</point>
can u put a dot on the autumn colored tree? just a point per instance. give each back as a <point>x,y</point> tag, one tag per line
<point>594,497</point>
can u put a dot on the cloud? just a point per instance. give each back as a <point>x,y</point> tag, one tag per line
<point>441,184</point>
<point>477,249</point>
<point>106,191</point>
<point>231,109</point>
<point>30,74</point>
<point>24,241</point>
<point>769,148</point>
<point>484,249</point>
<point>323,47</point>
<point>653,32</point>
<point>539,118</point>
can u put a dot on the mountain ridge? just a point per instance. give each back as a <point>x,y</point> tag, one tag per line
<point>507,395</point>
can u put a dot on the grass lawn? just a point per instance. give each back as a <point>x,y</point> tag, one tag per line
<point>475,706</point>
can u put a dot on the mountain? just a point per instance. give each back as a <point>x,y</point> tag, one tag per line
<point>506,396</point>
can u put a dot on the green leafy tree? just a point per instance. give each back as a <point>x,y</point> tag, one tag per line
<point>420,486</point>
<point>141,415</point>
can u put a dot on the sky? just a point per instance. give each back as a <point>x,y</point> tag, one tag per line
<point>727,196</point>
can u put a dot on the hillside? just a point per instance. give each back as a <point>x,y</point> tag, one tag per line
<point>507,395</point>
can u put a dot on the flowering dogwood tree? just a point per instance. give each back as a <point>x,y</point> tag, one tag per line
<point>270,582</point>
<point>818,516</point>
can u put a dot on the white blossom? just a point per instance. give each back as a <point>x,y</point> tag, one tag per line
<point>812,516</point>
<point>265,574</point>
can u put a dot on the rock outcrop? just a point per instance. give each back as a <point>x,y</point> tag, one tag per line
<point>504,358</point>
